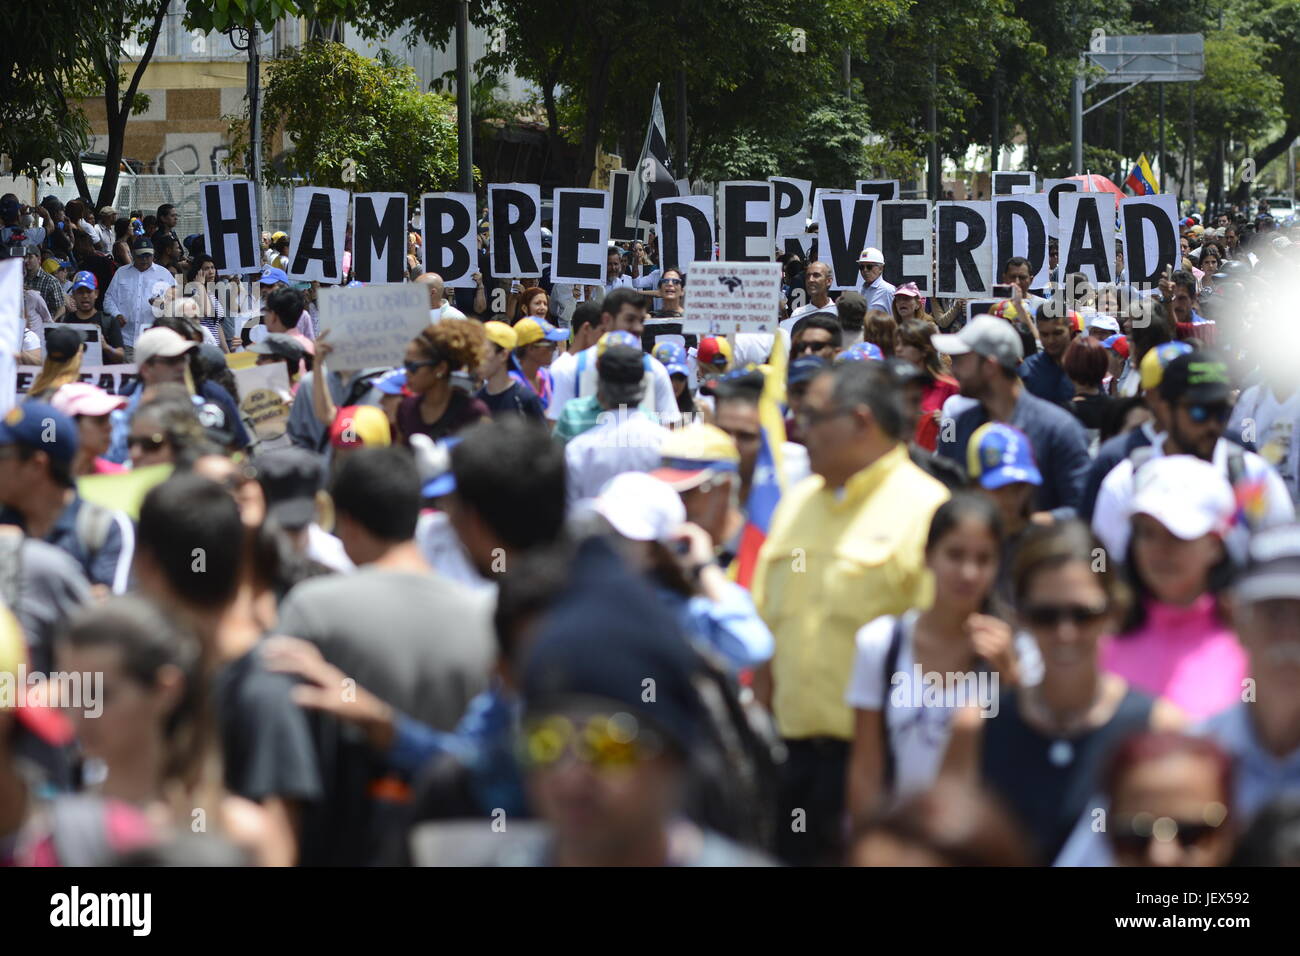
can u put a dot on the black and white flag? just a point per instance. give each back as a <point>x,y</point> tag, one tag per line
<point>653,177</point>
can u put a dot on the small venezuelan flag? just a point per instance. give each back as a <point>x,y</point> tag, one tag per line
<point>1142,180</point>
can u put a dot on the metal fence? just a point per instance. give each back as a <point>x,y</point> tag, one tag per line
<point>147,193</point>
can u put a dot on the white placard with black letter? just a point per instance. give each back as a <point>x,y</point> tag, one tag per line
<point>1149,229</point>
<point>802,244</point>
<point>1004,182</point>
<point>379,237</point>
<point>620,185</point>
<point>580,249</point>
<point>515,215</point>
<point>731,297</point>
<point>745,222</point>
<point>906,236</point>
<point>1087,236</point>
<point>1053,189</point>
<point>320,220</point>
<point>230,226</point>
<point>371,325</point>
<point>114,379</point>
<point>685,229</point>
<point>848,223</point>
<point>791,202</point>
<point>883,189</point>
<point>964,239</point>
<point>1020,229</point>
<point>450,246</point>
<point>90,337</point>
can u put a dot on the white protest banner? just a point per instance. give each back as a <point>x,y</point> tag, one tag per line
<point>730,297</point>
<point>791,201</point>
<point>745,222</point>
<point>848,221</point>
<point>11,328</point>
<point>1087,236</point>
<point>230,226</point>
<point>685,229</point>
<point>515,217</point>
<point>964,241</point>
<point>1149,229</point>
<point>620,187</point>
<point>1004,182</point>
<point>320,222</point>
<point>450,246</point>
<point>1020,229</point>
<point>114,379</point>
<point>1052,189</point>
<point>905,241</point>
<point>370,326</point>
<point>264,401</point>
<point>379,237</point>
<point>581,218</point>
<point>90,333</point>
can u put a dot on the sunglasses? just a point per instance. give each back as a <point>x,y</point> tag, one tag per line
<point>602,741</point>
<point>1134,834</point>
<point>1052,615</point>
<point>413,367</point>
<point>670,281</point>
<point>1200,413</point>
<point>803,347</point>
<point>146,442</point>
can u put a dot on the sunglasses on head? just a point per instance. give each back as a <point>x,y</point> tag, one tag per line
<point>1202,412</point>
<point>602,741</point>
<point>146,442</point>
<point>1052,615</point>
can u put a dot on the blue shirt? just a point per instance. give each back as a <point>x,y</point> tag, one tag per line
<point>1260,776</point>
<point>730,628</point>
<point>1046,379</point>
<point>1060,448</point>
<point>109,565</point>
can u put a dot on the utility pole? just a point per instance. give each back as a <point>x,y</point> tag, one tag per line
<point>935,188</point>
<point>464,95</point>
<point>255,117</point>
<point>1161,176</point>
<point>1076,121</point>
<point>679,169</point>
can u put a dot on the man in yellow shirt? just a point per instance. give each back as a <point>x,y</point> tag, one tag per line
<point>846,546</point>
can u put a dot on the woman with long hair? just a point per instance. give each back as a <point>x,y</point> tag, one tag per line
<point>200,285</point>
<point>899,738</point>
<point>1087,363</point>
<point>1043,749</point>
<point>63,352</point>
<point>437,408</point>
<point>880,329</point>
<point>912,343</point>
<point>908,304</point>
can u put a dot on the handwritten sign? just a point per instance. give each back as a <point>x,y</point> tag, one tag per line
<point>264,403</point>
<point>731,297</point>
<point>114,379</point>
<point>370,326</point>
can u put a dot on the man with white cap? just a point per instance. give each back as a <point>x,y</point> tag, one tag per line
<point>986,356</point>
<point>879,293</point>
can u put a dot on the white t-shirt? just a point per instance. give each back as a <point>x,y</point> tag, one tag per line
<point>447,311</point>
<point>578,378</point>
<point>1275,429</point>
<point>787,325</point>
<point>919,734</point>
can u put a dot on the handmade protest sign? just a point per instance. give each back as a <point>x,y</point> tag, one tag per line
<point>93,356</point>
<point>847,225</point>
<point>620,184</point>
<point>230,226</point>
<point>1020,229</point>
<point>370,326</point>
<point>730,297</point>
<point>320,222</point>
<point>745,222</point>
<point>515,215</point>
<point>1149,229</point>
<point>114,379</point>
<point>581,245</point>
<point>1004,181</point>
<point>905,242</point>
<point>791,200</point>
<point>1087,236</point>
<point>379,237</point>
<point>450,247</point>
<point>264,401</point>
<point>964,241</point>
<point>685,229</point>
<point>1052,189</point>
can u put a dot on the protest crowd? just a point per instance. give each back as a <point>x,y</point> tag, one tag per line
<point>568,580</point>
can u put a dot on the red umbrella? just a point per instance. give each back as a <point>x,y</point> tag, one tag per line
<point>1094,183</point>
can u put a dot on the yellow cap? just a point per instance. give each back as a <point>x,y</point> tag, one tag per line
<point>50,265</point>
<point>360,425</point>
<point>1152,367</point>
<point>690,455</point>
<point>531,329</point>
<point>502,334</point>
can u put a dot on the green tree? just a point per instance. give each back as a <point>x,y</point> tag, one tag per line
<point>370,127</point>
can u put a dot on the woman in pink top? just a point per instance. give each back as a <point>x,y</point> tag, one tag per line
<point>1175,643</point>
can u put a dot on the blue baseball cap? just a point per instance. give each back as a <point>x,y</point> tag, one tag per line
<point>85,280</point>
<point>862,352</point>
<point>41,426</point>
<point>805,368</point>
<point>673,357</point>
<point>391,382</point>
<point>1000,455</point>
<point>272,275</point>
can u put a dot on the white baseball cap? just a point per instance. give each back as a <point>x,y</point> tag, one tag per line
<point>160,343</point>
<point>1190,497</point>
<point>640,507</point>
<point>871,254</point>
<point>1100,320</point>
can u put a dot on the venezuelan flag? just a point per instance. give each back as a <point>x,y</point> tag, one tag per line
<point>1142,180</point>
<point>765,489</point>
